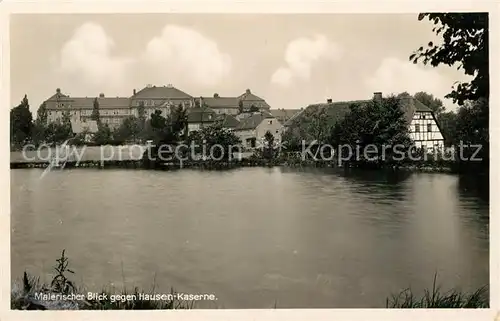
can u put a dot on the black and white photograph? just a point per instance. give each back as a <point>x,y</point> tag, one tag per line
<point>237,161</point>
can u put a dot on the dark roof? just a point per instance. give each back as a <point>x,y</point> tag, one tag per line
<point>88,102</point>
<point>337,110</point>
<point>284,114</point>
<point>253,121</point>
<point>221,102</point>
<point>57,97</point>
<point>421,107</point>
<point>228,121</point>
<point>154,92</point>
<point>249,97</point>
<point>201,115</point>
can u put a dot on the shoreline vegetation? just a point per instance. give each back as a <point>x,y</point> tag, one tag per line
<point>424,166</point>
<point>62,294</point>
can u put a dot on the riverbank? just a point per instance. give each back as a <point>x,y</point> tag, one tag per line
<point>222,165</point>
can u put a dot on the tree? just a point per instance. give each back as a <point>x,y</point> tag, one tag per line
<point>268,150</point>
<point>319,126</point>
<point>95,112</point>
<point>39,130</point>
<point>430,101</point>
<point>141,113</point>
<point>21,123</point>
<point>211,136</point>
<point>448,122</point>
<point>254,109</point>
<point>240,106</point>
<point>378,124</point>
<point>57,132</point>
<point>128,130</point>
<point>41,114</point>
<point>103,135</point>
<point>466,43</point>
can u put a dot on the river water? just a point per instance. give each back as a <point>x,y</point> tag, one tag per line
<point>253,237</point>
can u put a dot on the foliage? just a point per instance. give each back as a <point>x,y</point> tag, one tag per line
<point>254,109</point>
<point>435,298</point>
<point>430,101</point>
<point>60,283</point>
<point>465,42</point>
<point>21,123</point>
<point>41,114</point>
<point>447,123</point>
<point>95,112</point>
<point>103,135</point>
<point>210,136</point>
<point>57,132</point>
<point>141,112</point>
<point>129,130</point>
<point>25,297</point>
<point>268,151</point>
<point>319,126</point>
<point>470,120</point>
<point>240,106</point>
<point>375,123</point>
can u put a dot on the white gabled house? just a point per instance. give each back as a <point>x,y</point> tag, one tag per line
<point>424,129</point>
<point>252,130</point>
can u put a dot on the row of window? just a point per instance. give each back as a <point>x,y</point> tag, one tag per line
<point>151,103</point>
<point>417,128</point>
<point>89,112</point>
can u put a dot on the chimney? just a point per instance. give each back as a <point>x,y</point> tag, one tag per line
<point>377,96</point>
<point>248,91</point>
<point>134,91</point>
<point>101,95</point>
<point>329,101</point>
<point>58,90</point>
<point>216,95</point>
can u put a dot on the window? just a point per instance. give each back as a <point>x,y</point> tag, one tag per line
<point>270,122</point>
<point>423,116</point>
<point>429,127</point>
<point>277,131</point>
<point>417,128</point>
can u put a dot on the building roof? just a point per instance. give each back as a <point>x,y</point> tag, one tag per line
<point>253,121</point>
<point>161,92</point>
<point>248,97</point>
<point>201,115</point>
<point>284,113</point>
<point>221,102</point>
<point>78,127</point>
<point>87,102</point>
<point>104,102</point>
<point>58,96</point>
<point>336,111</point>
<point>228,121</point>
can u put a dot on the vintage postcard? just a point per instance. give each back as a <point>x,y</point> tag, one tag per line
<point>227,161</point>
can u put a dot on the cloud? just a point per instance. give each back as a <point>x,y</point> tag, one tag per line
<point>300,56</point>
<point>395,76</point>
<point>87,60</point>
<point>180,56</point>
<point>185,56</point>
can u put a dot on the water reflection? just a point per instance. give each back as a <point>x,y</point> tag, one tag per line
<point>303,238</point>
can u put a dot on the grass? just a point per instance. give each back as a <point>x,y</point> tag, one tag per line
<point>437,299</point>
<point>24,296</point>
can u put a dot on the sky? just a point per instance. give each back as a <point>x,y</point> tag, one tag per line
<point>289,60</point>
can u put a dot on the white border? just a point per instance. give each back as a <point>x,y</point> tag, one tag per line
<point>247,6</point>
